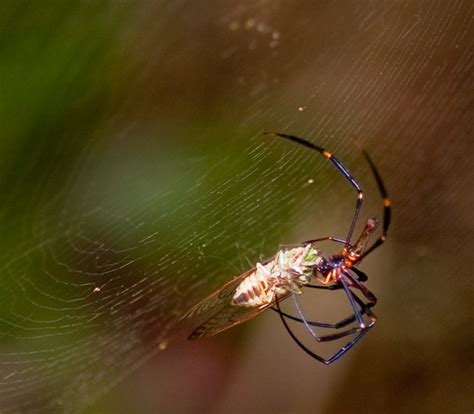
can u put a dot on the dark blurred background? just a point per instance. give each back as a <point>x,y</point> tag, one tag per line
<point>136,180</point>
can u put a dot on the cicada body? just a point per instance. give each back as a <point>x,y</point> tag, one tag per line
<point>256,290</point>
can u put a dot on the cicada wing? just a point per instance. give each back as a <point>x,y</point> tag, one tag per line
<point>225,318</point>
<point>221,313</point>
<point>220,298</point>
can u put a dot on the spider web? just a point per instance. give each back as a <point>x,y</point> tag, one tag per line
<point>136,177</point>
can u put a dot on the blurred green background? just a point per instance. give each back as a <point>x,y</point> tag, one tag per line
<point>136,180</point>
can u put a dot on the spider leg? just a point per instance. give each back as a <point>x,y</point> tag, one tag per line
<point>331,238</point>
<point>365,309</point>
<point>361,276</point>
<point>297,341</point>
<point>339,166</point>
<point>366,292</point>
<point>338,354</point>
<point>334,286</point>
<point>387,212</point>
<point>353,303</point>
<point>337,325</point>
<point>349,346</point>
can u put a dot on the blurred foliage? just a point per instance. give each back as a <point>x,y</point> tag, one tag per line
<point>52,61</point>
